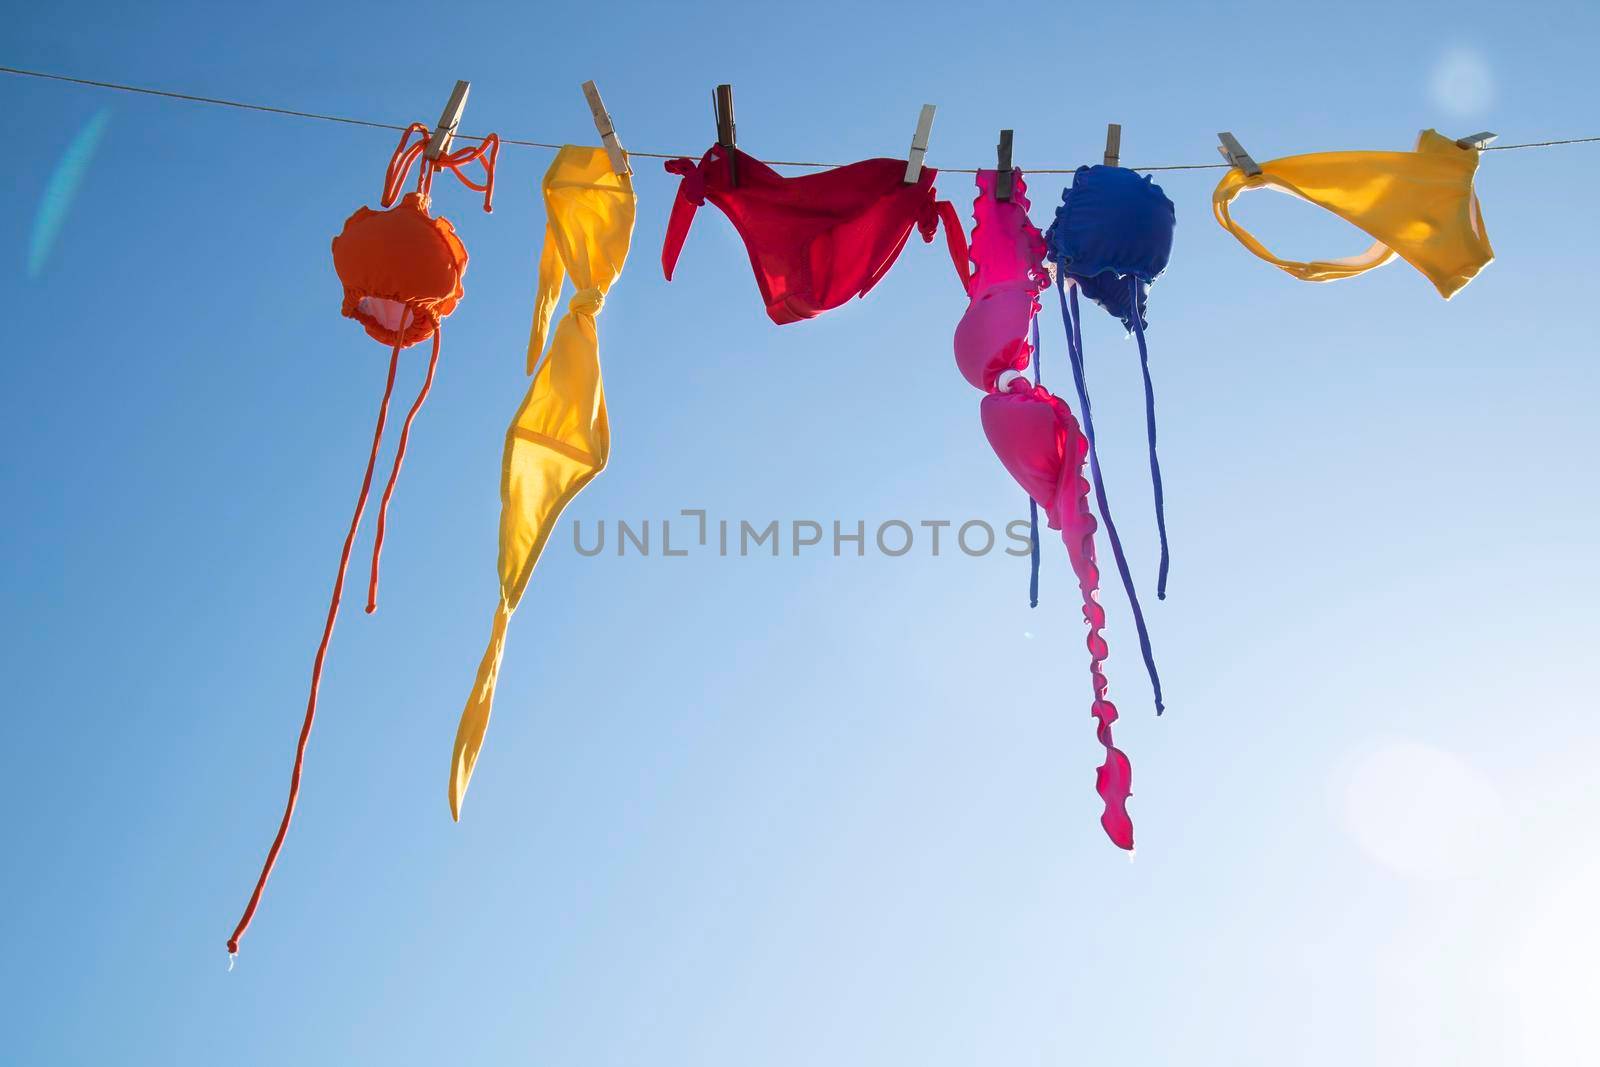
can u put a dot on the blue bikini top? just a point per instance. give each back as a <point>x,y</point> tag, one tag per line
<point>1112,237</point>
<point>1113,224</point>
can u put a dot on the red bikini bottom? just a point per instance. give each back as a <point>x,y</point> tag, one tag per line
<point>818,239</point>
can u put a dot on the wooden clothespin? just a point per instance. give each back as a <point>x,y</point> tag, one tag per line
<point>1002,176</point>
<point>919,144</point>
<point>722,101</point>
<point>608,132</point>
<point>449,122</point>
<point>1113,144</point>
<point>1236,156</point>
<point>1479,141</point>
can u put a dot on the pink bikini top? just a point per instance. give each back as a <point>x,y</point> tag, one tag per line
<point>1035,434</point>
<point>1008,274</point>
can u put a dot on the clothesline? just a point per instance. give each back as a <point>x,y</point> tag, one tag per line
<point>370,124</point>
<point>400,271</point>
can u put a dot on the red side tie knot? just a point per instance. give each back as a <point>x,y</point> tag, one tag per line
<point>928,218</point>
<point>693,186</point>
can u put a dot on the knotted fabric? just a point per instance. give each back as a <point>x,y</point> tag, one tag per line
<point>560,438</point>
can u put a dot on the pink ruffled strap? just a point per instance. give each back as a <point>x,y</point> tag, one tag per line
<point>1038,440</point>
<point>1114,779</point>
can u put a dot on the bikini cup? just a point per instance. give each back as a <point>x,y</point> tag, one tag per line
<point>992,336</point>
<point>1027,427</point>
<point>1113,221</point>
<point>1113,224</point>
<point>815,240</point>
<point>1008,273</point>
<point>1114,294</point>
<point>1418,205</point>
<point>1022,422</point>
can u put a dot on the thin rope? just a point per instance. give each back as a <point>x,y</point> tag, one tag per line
<point>316,667</point>
<point>1136,290</point>
<point>1033,505</point>
<point>1071,321</point>
<point>368,123</point>
<point>394,475</point>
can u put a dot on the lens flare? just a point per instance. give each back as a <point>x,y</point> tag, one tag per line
<point>1424,813</point>
<point>1460,82</point>
<point>1554,978</point>
<point>62,190</point>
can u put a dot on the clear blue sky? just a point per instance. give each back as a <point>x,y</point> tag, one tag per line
<point>805,810</point>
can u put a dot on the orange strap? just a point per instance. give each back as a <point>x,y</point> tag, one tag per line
<point>316,667</point>
<point>408,152</point>
<point>394,475</point>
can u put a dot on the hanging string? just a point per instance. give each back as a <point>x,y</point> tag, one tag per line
<point>1033,505</point>
<point>1136,288</point>
<point>394,475</point>
<point>485,153</point>
<point>316,667</point>
<point>1070,319</point>
<point>369,124</point>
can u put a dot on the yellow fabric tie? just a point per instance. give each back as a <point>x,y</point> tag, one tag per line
<point>587,302</point>
<point>560,437</point>
<point>1418,205</point>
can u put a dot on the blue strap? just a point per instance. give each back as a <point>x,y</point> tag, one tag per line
<point>1038,366</point>
<point>1070,319</point>
<point>1033,534</point>
<point>1033,505</point>
<point>1150,433</point>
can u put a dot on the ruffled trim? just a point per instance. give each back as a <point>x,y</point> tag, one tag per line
<point>1068,511</point>
<point>1114,778</point>
<point>426,314</point>
<point>1110,291</point>
<point>1037,249</point>
<point>1067,257</point>
<point>422,322</point>
<point>1034,244</point>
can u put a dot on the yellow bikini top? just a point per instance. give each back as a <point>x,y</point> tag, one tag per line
<point>560,438</point>
<point>1417,205</point>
